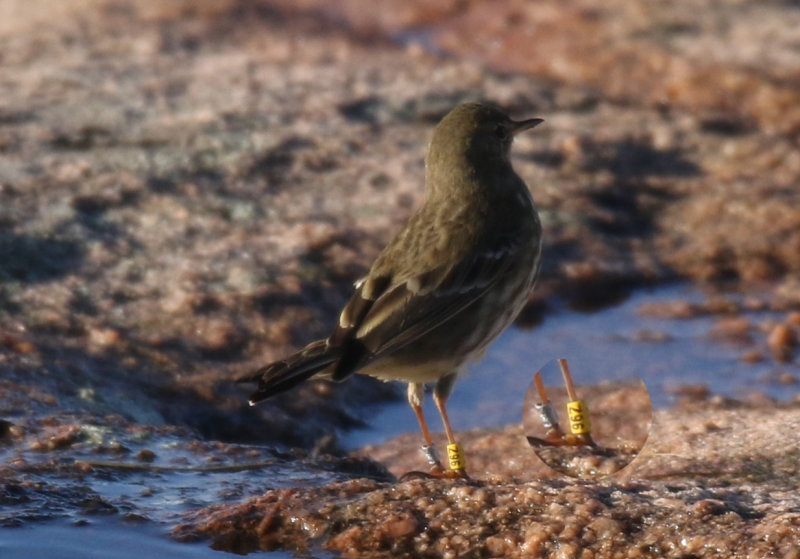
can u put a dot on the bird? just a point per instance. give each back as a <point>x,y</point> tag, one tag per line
<point>445,287</point>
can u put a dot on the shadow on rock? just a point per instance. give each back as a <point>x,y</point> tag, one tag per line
<point>32,259</point>
<point>632,159</point>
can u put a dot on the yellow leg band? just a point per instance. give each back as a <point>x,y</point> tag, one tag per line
<point>455,457</point>
<point>578,414</point>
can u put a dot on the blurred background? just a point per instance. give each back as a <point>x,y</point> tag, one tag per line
<point>188,190</point>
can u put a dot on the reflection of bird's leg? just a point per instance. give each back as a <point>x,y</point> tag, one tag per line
<point>416,392</point>
<point>455,455</point>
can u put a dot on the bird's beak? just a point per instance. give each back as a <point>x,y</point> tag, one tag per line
<point>517,127</point>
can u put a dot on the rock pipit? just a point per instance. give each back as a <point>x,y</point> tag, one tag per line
<point>454,278</point>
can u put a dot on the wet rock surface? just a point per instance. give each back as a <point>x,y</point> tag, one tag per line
<point>57,468</point>
<point>715,480</point>
<point>188,190</point>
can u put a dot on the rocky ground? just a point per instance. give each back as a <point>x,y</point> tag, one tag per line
<point>188,190</point>
<point>714,481</point>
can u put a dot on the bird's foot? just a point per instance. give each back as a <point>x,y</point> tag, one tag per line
<point>435,473</point>
<point>453,474</point>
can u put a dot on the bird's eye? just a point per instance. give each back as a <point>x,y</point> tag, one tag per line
<point>501,132</point>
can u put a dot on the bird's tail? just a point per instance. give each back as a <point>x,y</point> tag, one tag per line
<point>287,373</point>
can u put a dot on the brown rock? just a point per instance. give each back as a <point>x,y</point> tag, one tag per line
<point>515,509</point>
<point>692,392</point>
<point>16,344</point>
<point>752,356</point>
<point>671,309</point>
<point>399,527</point>
<point>782,339</point>
<point>787,379</point>
<point>146,455</point>
<point>218,337</point>
<point>101,338</point>
<point>736,329</point>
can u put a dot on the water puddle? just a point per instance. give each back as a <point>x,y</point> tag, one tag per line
<point>115,491</point>
<point>104,540</point>
<point>619,343</point>
<point>108,488</point>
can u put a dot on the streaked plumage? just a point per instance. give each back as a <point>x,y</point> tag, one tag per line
<point>449,282</point>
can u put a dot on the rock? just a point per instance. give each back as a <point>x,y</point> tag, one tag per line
<point>782,340</point>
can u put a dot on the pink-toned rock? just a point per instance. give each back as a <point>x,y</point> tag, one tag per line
<point>782,340</point>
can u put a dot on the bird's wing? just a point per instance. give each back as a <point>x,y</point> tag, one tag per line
<point>404,311</point>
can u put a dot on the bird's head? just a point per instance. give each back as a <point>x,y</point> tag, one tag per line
<point>476,134</point>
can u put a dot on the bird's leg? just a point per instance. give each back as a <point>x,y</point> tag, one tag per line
<point>415,395</point>
<point>454,453</point>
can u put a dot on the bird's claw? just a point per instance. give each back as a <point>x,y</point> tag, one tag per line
<point>435,473</point>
